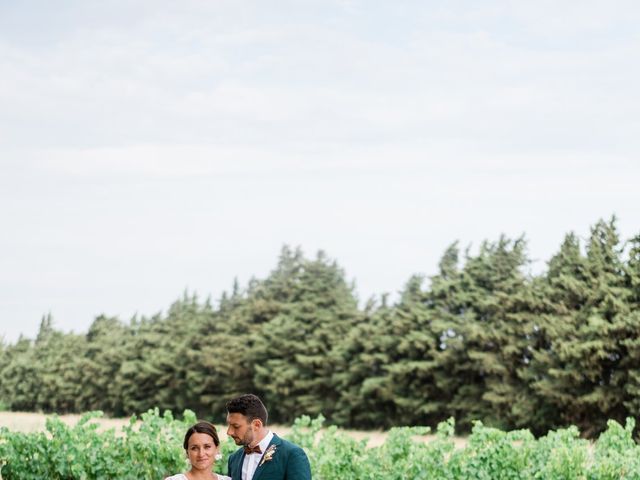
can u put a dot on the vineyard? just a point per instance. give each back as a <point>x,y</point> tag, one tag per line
<point>151,449</point>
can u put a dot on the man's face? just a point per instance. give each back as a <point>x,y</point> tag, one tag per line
<point>240,429</point>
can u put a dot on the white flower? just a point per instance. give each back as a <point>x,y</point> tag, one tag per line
<point>268,455</point>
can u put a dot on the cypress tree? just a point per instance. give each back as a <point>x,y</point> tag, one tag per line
<point>565,290</point>
<point>105,343</point>
<point>217,355</point>
<point>308,308</point>
<point>365,399</point>
<point>61,378</point>
<point>136,381</point>
<point>19,379</point>
<point>587,328</point>
<point>631,364</point>
<point>478,315</point>
<point>410,372</point>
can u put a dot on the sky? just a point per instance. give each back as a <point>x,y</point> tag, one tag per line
<point>149,148</point>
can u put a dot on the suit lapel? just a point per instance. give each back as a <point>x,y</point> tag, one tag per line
<point>274,441</point>
<point>238,465</point>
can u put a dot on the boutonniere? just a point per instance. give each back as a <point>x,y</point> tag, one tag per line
<point>268,454</point>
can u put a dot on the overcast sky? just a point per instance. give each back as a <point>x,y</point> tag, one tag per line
<point>148,147</point>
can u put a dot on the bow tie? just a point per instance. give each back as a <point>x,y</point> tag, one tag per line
<point>249,450</point>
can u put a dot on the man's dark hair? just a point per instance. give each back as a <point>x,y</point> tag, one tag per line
<point>202,427</point>
<point>250,406</point>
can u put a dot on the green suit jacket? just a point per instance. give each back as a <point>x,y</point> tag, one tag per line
<point>287,462</point>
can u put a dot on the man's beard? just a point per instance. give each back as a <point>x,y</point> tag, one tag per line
<point>247,439</point>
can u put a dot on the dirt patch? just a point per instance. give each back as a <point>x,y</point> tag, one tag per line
<point>35,422</point>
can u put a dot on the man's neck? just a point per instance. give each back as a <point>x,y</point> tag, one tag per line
<point>260,436</point>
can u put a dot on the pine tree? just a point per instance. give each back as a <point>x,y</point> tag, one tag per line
<point>365,398</point>
<point>217,356</point>
<point>19,379</point>
<point>478,314</point>
<point>631,364</point>
<point>410,373</point>
<point>58,362</point>
<point>307,307</point>
<point>106,341</point>
<point>587,327</point>
<point>136,381</point>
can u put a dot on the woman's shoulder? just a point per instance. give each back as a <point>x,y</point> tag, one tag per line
<point>182,476</point>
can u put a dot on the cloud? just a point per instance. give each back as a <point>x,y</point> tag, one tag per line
<point>166,144</point>
<point>203,74</point>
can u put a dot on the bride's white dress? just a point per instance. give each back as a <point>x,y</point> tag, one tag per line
<point>182,476</point>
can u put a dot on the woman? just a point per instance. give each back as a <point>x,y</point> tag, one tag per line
<point>201,444</point>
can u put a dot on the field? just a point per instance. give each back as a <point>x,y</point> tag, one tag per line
<point>89,447</point>
<point>35,422</point>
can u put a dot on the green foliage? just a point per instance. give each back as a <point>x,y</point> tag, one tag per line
<point>489,454</point>
<point>152,448</point>
<point>363,355</point>
<point>303,310</point>
<point>582,364</point>
<point>481,340</point>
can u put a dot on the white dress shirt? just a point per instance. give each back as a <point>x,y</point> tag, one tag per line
<point>250,464</point>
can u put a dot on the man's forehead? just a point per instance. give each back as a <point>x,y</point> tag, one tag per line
<point>236,418</point>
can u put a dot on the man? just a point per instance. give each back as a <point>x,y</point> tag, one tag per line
<point>264,455</point>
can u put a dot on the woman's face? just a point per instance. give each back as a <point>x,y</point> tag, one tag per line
<point>201,451</point>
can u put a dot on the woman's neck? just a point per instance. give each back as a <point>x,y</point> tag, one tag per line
<point>201,475</point>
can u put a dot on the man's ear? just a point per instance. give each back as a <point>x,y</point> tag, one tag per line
<point>256,423</point>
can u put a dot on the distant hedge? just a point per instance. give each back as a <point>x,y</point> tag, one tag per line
<point>483,339</point>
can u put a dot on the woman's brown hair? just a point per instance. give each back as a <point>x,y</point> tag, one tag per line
<point>202,427</point>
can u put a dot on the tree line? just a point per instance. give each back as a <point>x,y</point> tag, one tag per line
<point>482,339</point>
